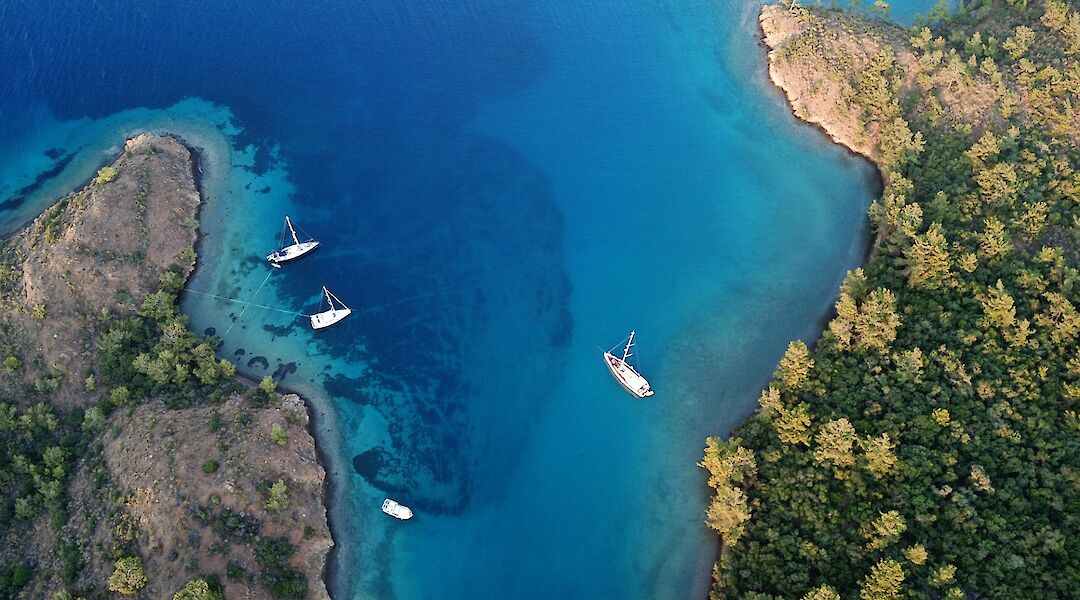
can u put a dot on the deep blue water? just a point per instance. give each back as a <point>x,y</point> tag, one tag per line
<point>500,187</point>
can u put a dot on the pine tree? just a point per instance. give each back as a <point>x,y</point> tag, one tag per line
<point>909,365</point>
<point>927,259</point>
<point>770,402</point>
<point>994,241</point>
<point>843,324</point>
<point>880,458</point>
<point>278,498</point>
<point>727,462</point>
<point>968,262</point>
<point>795,366</point>
<point>985,149</point>
<point>1034,220</point>
<point>885,530</point>
<point>793,425</point>
<point>834,446</point>
<point>728,513</point>
<point>1060,318</point>
<point>885,581</point>
<point>916,554</point>
<point>1018,44</point>
<point>980,480</point>
<point>1056,15</point>
<point>943,576</point>
<point>998,184</point>
<point>196,589</point>
<point>822,592</point>
<point>998,307</point>
<point>875,327</point>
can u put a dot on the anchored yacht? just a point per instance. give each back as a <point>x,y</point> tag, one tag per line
<point>624,373</point>
<point>327,318</point>
<point>294,250</point>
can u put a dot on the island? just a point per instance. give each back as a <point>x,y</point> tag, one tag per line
<point>133,461</point>
<point>928,444</point>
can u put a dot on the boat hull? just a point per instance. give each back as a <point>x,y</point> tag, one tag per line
<point>291,252</point>
<point>327,318</point>
<point>631,380</point>
<point>397,510</point>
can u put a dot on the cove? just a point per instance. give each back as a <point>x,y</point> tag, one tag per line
<point>500,188</point>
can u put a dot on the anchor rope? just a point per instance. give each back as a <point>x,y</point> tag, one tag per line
<point>280,310</point>
<point>247,304</point>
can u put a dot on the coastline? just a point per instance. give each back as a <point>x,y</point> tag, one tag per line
<point>316,416</point>
<point>795,103</point>
<point>869,244</point>
<point>870,240</point>
<point>779,84</point>
<point>318,412</point>
<point>85,181</point>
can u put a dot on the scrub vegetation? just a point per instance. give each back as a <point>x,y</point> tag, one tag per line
<point>131,463</point>
<point>928,446</point>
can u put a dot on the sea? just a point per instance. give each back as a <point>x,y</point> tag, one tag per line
<point>502,189</point>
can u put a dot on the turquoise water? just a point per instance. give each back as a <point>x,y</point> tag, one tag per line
<point>500,188</point>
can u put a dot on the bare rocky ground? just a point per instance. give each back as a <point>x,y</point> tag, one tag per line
<point>814,54</point>
<point>186,487</point>
<point>99,249</point>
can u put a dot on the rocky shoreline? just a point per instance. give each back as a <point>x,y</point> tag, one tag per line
<point>315,414</point>
<point>808,94</point>
<point>183,487</point>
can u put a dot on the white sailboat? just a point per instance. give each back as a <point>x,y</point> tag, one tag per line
<point>396,509</point>
<point>625,374</point>
<point>327,318</point>
<point>294,250</point>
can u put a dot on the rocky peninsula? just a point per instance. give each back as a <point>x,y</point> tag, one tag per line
<point>134,460</point>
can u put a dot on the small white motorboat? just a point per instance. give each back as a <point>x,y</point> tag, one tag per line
<point>294,250</point>
<point>327,318</point>
<point>625,374</point>
<point>396,509</point>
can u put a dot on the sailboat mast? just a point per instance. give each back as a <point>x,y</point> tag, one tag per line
<point>328,300</point>
<point>288,222</point>
<point>630,342</point>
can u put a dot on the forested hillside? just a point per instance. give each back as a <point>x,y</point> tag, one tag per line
<point>928,446</point>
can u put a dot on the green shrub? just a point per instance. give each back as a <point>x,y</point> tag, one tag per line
<point>215,423</point>
<point>105,175</point>
<point>197,589</point>
<point>273,554</point>
<point>128,577</point>
<point>278,435</point>
<point>235,571</point>
<point>12,364</point>
<point>278,498</point>
<point>120,395</point>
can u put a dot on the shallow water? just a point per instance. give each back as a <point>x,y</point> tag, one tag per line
<point>500,188</point>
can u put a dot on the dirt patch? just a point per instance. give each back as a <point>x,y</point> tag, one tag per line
<point>816,55</point>
<point>95,255</point>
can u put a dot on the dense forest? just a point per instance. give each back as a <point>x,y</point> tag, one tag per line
<point>928,445</point>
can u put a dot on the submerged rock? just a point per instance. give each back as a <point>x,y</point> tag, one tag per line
<point>259,360</point>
